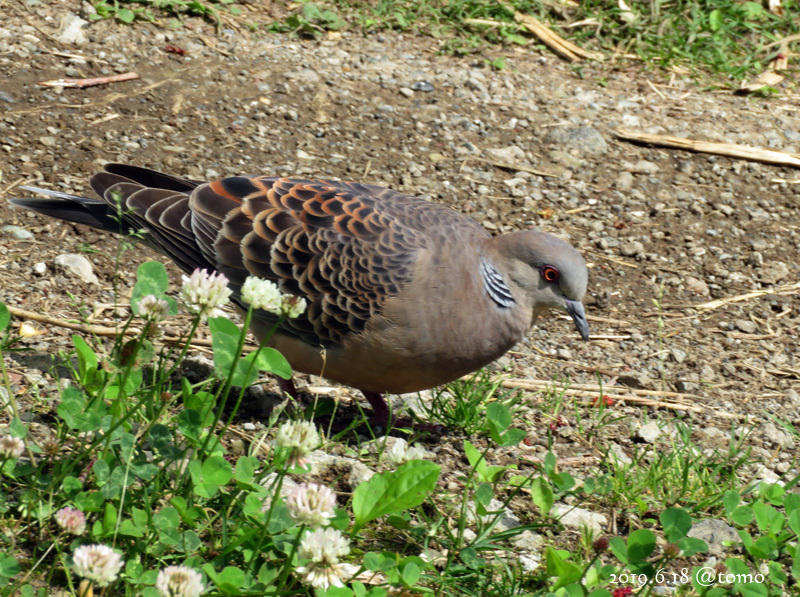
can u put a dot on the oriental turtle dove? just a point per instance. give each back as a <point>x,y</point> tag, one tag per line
<point>403,294</point>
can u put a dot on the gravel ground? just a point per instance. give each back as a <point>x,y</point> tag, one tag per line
<point>664,231</point>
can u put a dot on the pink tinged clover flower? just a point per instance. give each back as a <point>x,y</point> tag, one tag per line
<point>311,504</point>
<point>292,306</point>
<point>97,563</point>
<point>179,581</point>
<point>71,520</point>
<point>205,294</point>
<point>323,548</point>
<point>300,438</point>
<point>11,447</point>
<point>153,309</point>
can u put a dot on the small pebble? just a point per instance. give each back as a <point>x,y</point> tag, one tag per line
<point>746,326</point>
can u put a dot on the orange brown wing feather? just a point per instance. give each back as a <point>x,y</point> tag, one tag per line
<point>339,245</point>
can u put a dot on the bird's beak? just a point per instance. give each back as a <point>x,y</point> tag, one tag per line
<point>575,310</point>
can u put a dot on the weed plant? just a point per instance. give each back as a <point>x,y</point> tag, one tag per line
<point>134,490</point>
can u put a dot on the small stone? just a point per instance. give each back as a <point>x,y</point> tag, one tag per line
<point>772,273</point>
<point>624,181</point>
<point>648,433</point>
<point>638,380</point>
<point>777,436</point>
<point>678,355</point>
<point>22,234</point>
<point>631,248</point>
<point>436,157</point>
<point>423,86</point>
<point>746,326</point>
<point>645,167</point>
<point>528,540</point>
<point>34,377</point>
<point>77,265</point>
<point>507,519</point>
<point>88,11</point>
<point>714,532</point>
<point>304,75</point>
<point>584,139</point>
<point>47,141</point>
<point>579,517</point>
<point>73,30</point>
<point>566,159</point>
<point>529,563</point>
<point>510,154</point>
<point>707,373</point>
<point>697,286</point>
<point>793,397</point>
<point>303,155</point>
<point>406,91</point>
<point>40,268</point>
<point>618,453</point>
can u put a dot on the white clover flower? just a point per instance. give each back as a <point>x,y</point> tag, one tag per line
<point>401,452</point>
<point>179,581</point>
<point>98,563</point>
<point>416,452</point>
<point>204,293</point>
<point>292,306</point>
<point>324,547</point>
<point>300,437</point>
<point>264,294</point>
<point>11,447</point>
<point>152,308</point>
<point>311,504</point>
<point>71,520</point>
<point>261,294</point>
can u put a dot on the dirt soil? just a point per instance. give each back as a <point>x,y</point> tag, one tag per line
<point>665,232</point>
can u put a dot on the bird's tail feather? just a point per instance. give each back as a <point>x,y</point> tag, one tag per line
<point>73,208</point>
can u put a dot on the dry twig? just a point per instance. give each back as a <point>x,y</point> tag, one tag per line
<point>81,83</point>
<point>769,78</point>
<point>111,97</point>
<point>103,331</point>
<point>785,289</point>
<point>515,167</point>
<point>560,46</point>
<point>623,394</point>
<point>744,152</point>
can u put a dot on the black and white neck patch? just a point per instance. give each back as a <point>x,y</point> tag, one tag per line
<point>495,286</point>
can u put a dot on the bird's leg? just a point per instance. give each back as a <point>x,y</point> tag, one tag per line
<point>381,417</point>
<point>287,387</point>
<point>380,409</point>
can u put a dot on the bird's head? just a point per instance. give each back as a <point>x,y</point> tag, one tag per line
<point>548,273</point>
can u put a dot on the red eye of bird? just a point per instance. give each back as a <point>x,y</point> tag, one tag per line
<point>550,273</point>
